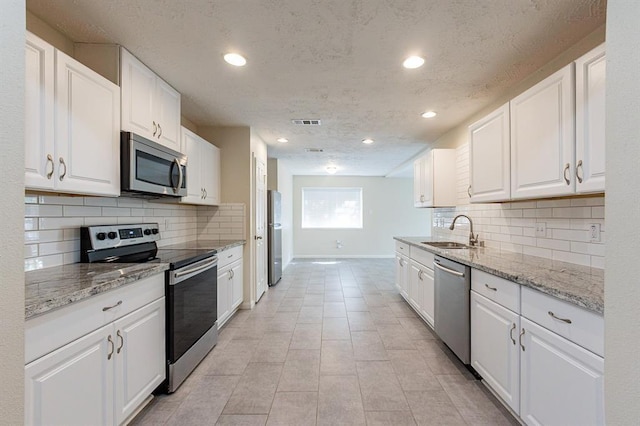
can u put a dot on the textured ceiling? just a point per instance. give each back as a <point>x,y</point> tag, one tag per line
<point>335,60</point>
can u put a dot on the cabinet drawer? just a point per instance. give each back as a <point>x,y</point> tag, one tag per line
<point>501,291</point>
<point>50,331</point>
<point>229,256</point>
<point>422,256</point>
<point>402,248</point>
<point>586,328</point>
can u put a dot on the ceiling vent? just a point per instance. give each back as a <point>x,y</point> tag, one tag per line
<point>314,150</point>
<point>306,122</point>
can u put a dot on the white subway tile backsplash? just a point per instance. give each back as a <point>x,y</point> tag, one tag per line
<point>32,237</point>
<point>60,222</point>
<point>577,258</point>
<point>61,200</point>
<point>553,244</point>
<point>36,210</point>
<point>30,223</point>
<point>41,262</point>
<point>101,201</point>
<point>116,211</point>
<point>537,251</point>
<point>597,212</point>
<point>570,235</point>
<point>81,211</point>
<point>59,247</point>
<point>30,250</point>
<point>597,262</point>
<point>572,212</point>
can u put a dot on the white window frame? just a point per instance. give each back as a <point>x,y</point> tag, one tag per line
<point>331,188</point>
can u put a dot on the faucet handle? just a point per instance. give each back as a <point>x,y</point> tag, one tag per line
<point>473,239</point>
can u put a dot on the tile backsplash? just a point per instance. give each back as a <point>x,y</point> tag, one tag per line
<point>512,226</point>
<point>52,223</point>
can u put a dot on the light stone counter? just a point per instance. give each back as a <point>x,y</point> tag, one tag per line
<point>52,288</point>
<point>580,285</point>
<point>215,246</point>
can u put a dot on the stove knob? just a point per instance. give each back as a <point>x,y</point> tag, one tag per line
<point>101,236</point>
<point>147,231</point>
<point>155,231</point>
<point>112,235</point>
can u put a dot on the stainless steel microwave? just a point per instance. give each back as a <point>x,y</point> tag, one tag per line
<point>148,168</point>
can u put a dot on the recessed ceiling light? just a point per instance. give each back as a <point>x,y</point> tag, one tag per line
<point>331,169</point>
<point>367,141</point>
<point>413,62</point>
<point>429,114</point>
<point>235,59</point>
<point>282,140</point>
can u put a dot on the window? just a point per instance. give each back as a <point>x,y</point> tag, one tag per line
<point>332,208</point>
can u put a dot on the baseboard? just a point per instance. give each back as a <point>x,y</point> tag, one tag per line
<point>343,256</point>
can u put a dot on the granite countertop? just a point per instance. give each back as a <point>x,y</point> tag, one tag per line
<point>580,285</point>
<point>215,246</point>
<point>52,288</point>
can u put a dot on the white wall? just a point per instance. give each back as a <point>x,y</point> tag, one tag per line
<point>285,186</point>
<point>622,276</point>
<point>387,212</point>
<point>12,24</point>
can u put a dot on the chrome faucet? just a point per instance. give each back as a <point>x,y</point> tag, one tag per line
<point>473,239</point>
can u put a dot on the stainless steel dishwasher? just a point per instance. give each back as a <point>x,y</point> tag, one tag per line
<point>451,319</point>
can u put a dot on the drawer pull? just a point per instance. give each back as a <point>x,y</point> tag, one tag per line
<point>111,345</point>
<point>230,256</point>
<point>106,308</point>
<point>521,334</point>
<point>491,288</point>
<point>513,327</point>
<point>552,315</point>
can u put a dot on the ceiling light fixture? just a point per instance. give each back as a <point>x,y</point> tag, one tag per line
<point>235,59</point>
<point>429,114</point>
<point>367,141</point>
<point>282,140</point>
<point>332,169</point>
<point>413,62</point>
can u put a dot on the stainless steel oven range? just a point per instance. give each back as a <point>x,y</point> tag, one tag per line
<point>190,289</point>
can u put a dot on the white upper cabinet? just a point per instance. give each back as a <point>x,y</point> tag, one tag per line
<point>434,179</point>
<point>542,138</point>
<point>203,171</point>
<point>489,157</point>
<point>150,106</point>
<point>72,141</point>
<point>590,121</point>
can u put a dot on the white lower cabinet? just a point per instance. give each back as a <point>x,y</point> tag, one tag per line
<point>402,275</point>
<point>421,288</point>
<point>101,377</point>
<point>230,283</point>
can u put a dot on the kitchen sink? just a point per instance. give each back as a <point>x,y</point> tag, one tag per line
<point>447,245</point>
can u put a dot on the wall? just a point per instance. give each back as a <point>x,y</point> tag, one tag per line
<point>387,212</point>
<point>622,292</point>
<point>511,226</point>
<point>12,22</point>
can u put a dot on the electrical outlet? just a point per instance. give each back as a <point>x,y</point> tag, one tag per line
<point>338,244</point>
<point>541,229</point>
<point>594,232</point>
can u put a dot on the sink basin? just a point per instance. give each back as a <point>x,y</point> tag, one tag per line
<point>447,245</point>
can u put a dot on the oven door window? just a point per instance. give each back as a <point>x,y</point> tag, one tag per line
<point>193,305</point>
<point>158,171</point>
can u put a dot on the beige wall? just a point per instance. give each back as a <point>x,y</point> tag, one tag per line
<point>12,22</point>
<point>622,282</point>
<point>387,212</point>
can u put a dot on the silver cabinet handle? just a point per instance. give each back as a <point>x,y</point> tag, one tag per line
<point>201,193</point>
<point>521,334</point>
<point>451,271</point>
<point>258,237</point>
<point>566,169</point>
<point>205,193</point>
<point>491,288</point>
<point>469,191</point>
<point>110,340</point>
<point>420,274</point>
<point>155,128</point>
<point>229,276</point>
<point>121,342</point>
<point>62,163</point>
<point>400,262</point>
<point>50,161</point>
<point>513,327</point>
<point>160,129</point>
<point>180,176</point>
<point>111,307</point>
<point>197,268</point>
<point>578,167</point>
<point>233,274</point>
<point>552,315</point>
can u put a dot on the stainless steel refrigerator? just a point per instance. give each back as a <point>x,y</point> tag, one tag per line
<point>274,235</point>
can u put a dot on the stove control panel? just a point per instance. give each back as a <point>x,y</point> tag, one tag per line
<point>110,236</point>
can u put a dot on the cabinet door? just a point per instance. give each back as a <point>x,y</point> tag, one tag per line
<point>416,286</point>
<point>140,357</point>
<point>590,121</point>
<point>74,384</point>
<point>167,115</point>
<point>561,383</point>
<point>138,86</point>
<point>87,130</point>
<point>427,180</point>
<point>489,157</point>
<point>211,174</point>
<point>224,295</point>
<point>418,189</point>
<point>494,351</point>
<point>191,146</point>
<point>542,138</point>
<point>236,285</point>
<point>428,298</point>
<point>39,133</point>
<point>402,275</point>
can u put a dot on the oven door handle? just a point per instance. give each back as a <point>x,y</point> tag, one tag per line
<point>200,268</point>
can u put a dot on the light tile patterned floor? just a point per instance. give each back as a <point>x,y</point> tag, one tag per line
<point>332,344</point>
